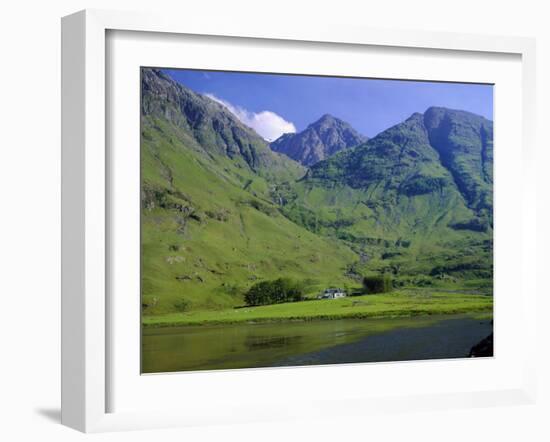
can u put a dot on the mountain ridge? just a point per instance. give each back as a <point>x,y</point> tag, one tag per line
<point>460,142</point>
<point>209,224</point>
<point>399,204</point>
<point>319,140</point>
<point>221,210</point>
<point>214,128</point>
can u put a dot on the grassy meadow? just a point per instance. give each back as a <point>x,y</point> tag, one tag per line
<point>400,303</point>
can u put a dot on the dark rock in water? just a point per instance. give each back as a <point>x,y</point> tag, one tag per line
<point>483,348</point>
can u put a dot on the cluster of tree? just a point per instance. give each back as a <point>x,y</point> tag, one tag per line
<point>274,292</point>
<point>378,284</point>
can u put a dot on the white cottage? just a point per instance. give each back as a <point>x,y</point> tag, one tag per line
<point>332,293</point>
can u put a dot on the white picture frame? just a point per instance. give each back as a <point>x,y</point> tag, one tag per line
<point>86,205</point>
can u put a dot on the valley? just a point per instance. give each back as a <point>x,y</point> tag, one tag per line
<point>224,210</point>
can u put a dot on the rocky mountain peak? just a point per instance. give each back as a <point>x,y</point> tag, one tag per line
<point>320,140</point>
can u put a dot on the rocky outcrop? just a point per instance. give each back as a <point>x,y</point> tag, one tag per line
<point>483,349</point>
<point>318,141</point>
<point>206,125</point>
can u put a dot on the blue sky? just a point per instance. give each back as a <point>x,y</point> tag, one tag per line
<point>273,104</point>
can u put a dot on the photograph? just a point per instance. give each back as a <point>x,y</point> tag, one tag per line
<point>298,220</point>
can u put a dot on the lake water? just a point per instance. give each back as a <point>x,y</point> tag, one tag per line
<point>310,343</point>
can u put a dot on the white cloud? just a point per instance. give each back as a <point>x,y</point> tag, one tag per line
<point>267,124</point>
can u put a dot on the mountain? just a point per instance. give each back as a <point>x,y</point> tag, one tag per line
<point>464,142</point>
<point>318,141</point>
<point>221,211</point>
<point>210,226</point>
<point>210,127</point>
<point>426,183</point>
<point>444,153</point>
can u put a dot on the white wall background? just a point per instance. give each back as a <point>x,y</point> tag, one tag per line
<point>30,216</point>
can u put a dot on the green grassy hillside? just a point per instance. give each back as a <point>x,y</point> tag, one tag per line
<point>400,208</point>
<point>209,232</point>
<point>222,211</point>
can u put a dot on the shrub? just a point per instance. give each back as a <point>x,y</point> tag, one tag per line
<point>475,224</point>
<point>182,305</point>
<point>378,284</point>
<point>267,209</point>
<point>422,281</point>
<point>220,215</point>
<point>389,255</point>
<point>148,302</point>
<point>420,185</point>
<point>302,216</point>
<point>274,292</point>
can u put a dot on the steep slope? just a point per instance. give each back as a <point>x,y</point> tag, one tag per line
<point>318,141</point>
<point>409,186</point>
<point>396,182</point>
<point>213,129</point>
<point>209,226</point>
<point>221,210</point>
<point>465,145</point>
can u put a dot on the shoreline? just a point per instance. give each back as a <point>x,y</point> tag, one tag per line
<point>483,312</point>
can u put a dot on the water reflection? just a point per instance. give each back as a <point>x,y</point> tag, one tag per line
<point>253,342</point>
<point>309,343</point>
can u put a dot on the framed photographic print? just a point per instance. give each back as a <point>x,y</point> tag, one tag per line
<point>259,224</point>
